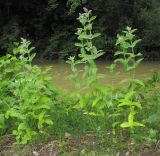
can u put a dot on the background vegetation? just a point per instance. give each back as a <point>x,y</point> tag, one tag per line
<point>53,22</point>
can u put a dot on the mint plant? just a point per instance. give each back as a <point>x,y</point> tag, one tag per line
<point>88,54</point>
<point>26,95</point>
<point>127,55</point>
<point>130,61</point>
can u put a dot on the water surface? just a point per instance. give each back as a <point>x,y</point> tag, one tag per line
<point>60,72</point>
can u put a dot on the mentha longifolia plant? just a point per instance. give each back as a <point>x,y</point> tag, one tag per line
<point>100,100</point>
<point>26,95</point>
<point>130,61</point>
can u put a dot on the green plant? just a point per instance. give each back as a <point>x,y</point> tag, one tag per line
<point>152,101</point>
<point>88,54</point>
<point>130,61</point>
<point>26,94</point>
<point>128,101</point>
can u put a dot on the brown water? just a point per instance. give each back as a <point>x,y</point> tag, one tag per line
<point>60,72</point>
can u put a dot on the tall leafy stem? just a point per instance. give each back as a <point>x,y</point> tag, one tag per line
<point>88,52</point>
<point>88,55</point>
<point>130,60</point>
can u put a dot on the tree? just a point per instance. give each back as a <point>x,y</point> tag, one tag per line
<point>52,22</point>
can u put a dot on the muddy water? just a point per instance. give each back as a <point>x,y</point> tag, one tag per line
<point>60,72</point>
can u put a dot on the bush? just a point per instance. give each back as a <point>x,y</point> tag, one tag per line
<point>150,28</point>
<point>26,95</point>
<point>55,49</point>
<point>10,32</point>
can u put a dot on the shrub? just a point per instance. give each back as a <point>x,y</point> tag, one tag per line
<point>26,95</point>
<point>10,32</point>
<point>150,28</point>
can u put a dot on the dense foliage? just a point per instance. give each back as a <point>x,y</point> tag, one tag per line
<point>52,22</point>
<point>26,95</point>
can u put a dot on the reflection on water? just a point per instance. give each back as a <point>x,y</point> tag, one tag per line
<point>60,72</point>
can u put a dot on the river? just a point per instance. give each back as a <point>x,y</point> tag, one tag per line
<point>60,72</point>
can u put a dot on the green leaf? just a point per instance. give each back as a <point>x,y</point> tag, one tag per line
<point>49,122</point>
<point>130,103</point>
<point>130,68</point>
<point>41,119</point>
<point>22,126</point>
<point>135,43</point>
<point>44,99</point>
<point>95,35</point>
<point>32,56</point>
<point>82,37</point>
<point>138,124</point>
<point>92,18</point>
<point>79,44</point>
<point>136,81</point>
<point>13,113</point>
<point>14,132</point>
<point>81,104</point>
<point>86,57</point>
<point>118,53</point>
<point>95,101</point>
<point>126,45</point>
<point>137,104</point>
<point>125,125</point>
<point>89,26</point>
<point>138,62</point>
<point>129,95</point>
